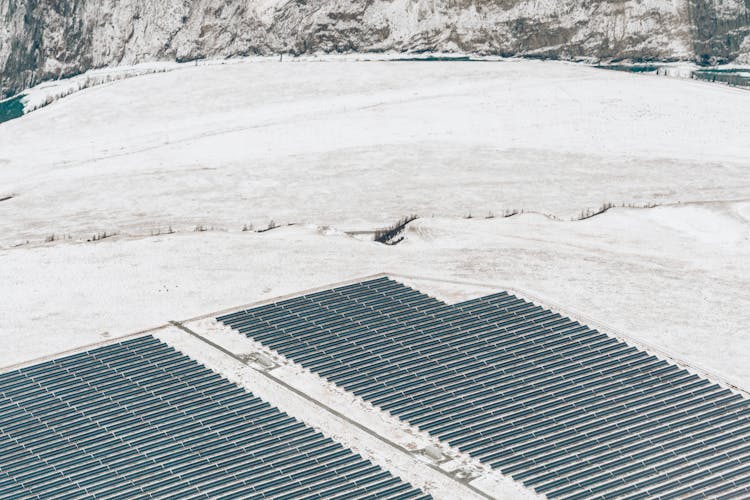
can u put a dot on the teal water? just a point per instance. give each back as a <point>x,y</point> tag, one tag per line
<point>735,77</point>
<point>11,108</point>
<point>634,68</point>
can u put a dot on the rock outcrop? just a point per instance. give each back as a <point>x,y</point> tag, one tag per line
<point>43,39</point>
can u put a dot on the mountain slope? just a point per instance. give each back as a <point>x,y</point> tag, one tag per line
<point>43,39</point>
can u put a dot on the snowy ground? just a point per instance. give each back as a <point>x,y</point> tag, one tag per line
<point>355,145</point>
<point>359,144</point>
<point>676,277</point>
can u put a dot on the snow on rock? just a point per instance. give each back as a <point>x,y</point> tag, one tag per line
<point>42,40</point>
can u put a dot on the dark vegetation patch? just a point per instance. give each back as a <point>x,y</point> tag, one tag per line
<point>587,213</point>
<point>271,225</point>
<point>393,234</point>
<point>103,235</point>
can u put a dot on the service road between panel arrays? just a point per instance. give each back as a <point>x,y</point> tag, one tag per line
<point>377,450</point>
<point>333,412</point>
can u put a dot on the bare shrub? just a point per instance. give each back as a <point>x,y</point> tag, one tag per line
<point>391,235</point>
<point>589,212</point>
<point>271,225</point>
<point>103,235</point>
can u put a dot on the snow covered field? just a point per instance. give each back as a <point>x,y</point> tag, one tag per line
<point>676,277</point>
<point>336,146</point>
<point>359,144</point>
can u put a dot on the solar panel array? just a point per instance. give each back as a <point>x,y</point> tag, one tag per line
<point>567,410</point>
<point>140,420</point>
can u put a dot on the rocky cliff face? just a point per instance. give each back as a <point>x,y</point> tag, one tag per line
<point>43,39</point>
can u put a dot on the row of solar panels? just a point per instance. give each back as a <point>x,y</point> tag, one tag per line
<point>567,410</point>
<point>140,420</point>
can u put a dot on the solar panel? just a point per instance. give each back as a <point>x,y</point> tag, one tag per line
<point>139,419</point>
<point>569,411</point>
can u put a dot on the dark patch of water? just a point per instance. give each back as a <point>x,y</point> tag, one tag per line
<point>635,68</point>
<point>437,58</point>
<point>11,108</point>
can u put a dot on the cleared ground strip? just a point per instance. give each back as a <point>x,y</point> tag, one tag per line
<point>567,410</point>
<point>138,419</point>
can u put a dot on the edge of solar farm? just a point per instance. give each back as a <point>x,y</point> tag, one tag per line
<point>569,312</point>
<point>251,357</point>
<point>473,292</point>
<point>452,455</point>
<point>246,373</point>
<point>532,297</point>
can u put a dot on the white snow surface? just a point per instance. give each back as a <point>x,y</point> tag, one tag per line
<point>336,146</point>
<point>359,144</point>
<point>675,277</point>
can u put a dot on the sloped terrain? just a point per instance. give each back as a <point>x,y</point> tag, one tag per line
<point>359,145</point>
<point>341,146</point>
